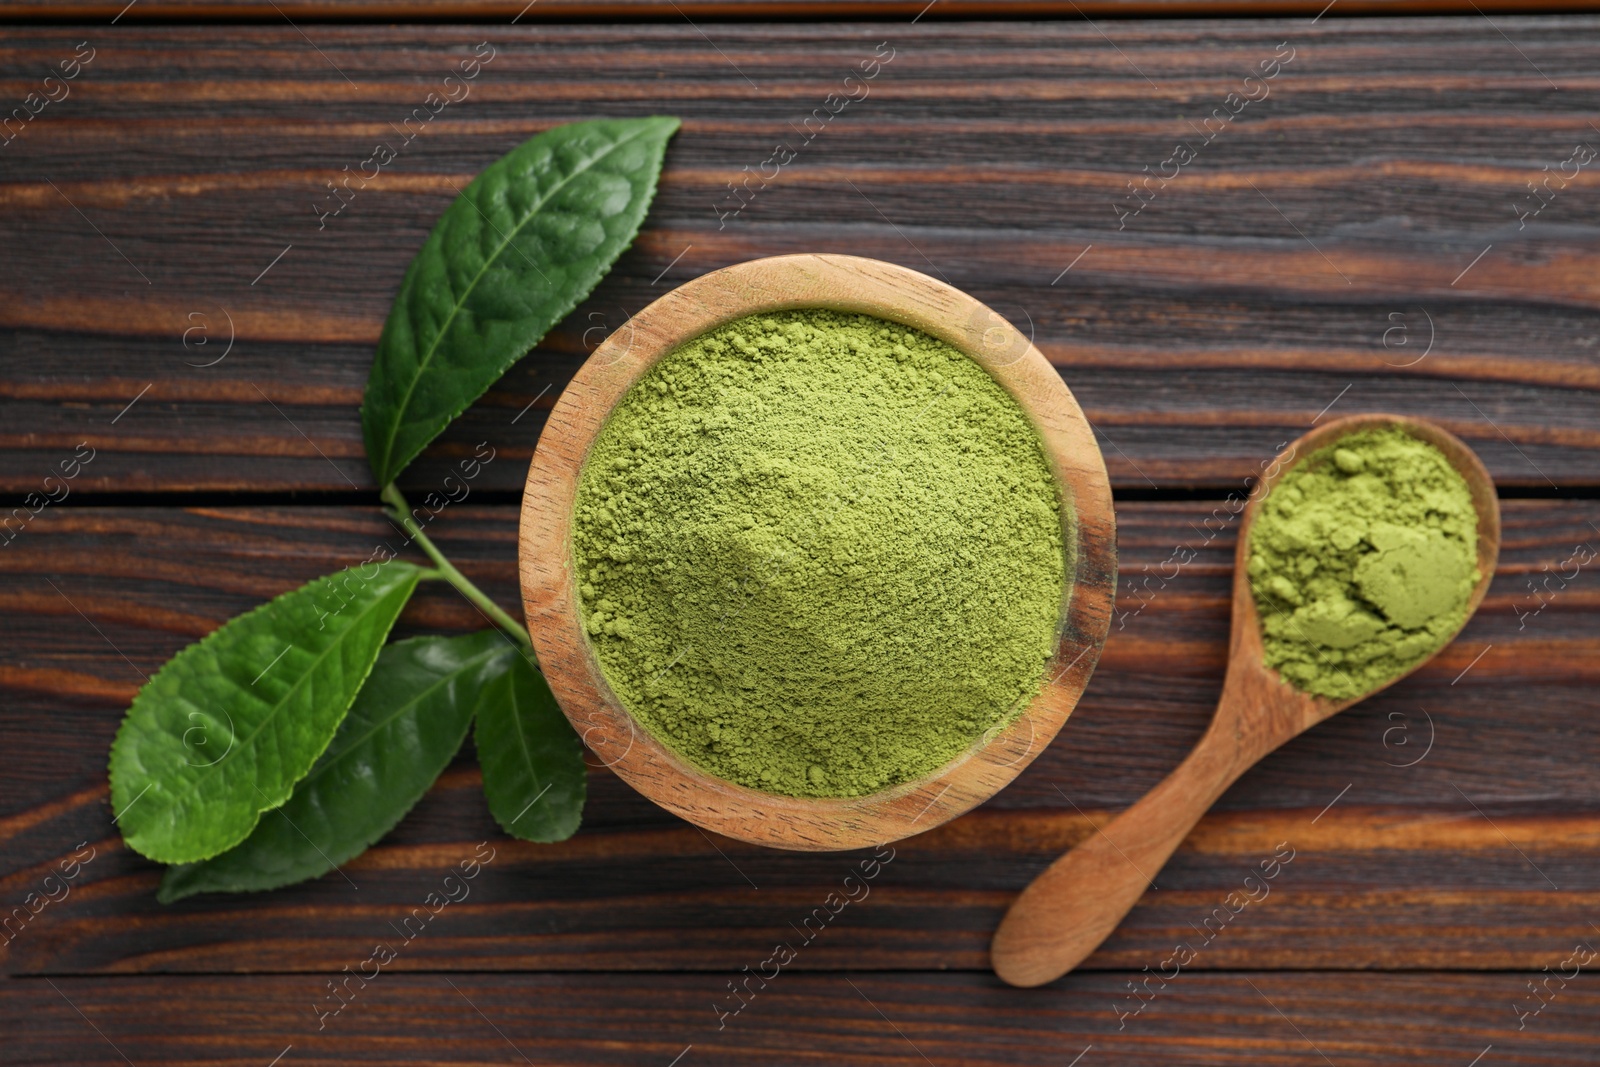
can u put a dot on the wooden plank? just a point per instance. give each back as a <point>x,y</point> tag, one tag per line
<point>1254,1019</point>
<point>521,11</point>
<point>1368,888</point>
<point>1481,853</point>
<point>1368,199</point>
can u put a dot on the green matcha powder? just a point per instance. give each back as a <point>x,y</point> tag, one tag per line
<point>819,554</point>
<point>1362,561</point>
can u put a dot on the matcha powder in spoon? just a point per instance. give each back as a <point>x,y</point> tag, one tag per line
<point>819,554</point>
<point>1362,562</point>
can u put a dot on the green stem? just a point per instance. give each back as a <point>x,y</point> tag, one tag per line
<point>400,511</point>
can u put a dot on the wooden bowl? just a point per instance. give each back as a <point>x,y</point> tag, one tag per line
<point>845,284</point>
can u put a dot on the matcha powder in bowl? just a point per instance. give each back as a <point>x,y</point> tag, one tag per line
<point>819,554</point>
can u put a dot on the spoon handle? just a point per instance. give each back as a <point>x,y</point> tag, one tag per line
<point>1074,905</point>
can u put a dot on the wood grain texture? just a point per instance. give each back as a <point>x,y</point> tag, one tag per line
<point>1333,219</point>
<point>852,285</point>
<point>521,11</point>
<point>1443,863</point>
<point>1254,1018</point>
<point>1351,239</point>
<point>1069,910</point>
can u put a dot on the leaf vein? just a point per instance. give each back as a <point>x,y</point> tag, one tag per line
<point>277,708</point>
<point>461,301</point>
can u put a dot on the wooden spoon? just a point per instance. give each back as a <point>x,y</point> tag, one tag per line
<point>1075,904</point>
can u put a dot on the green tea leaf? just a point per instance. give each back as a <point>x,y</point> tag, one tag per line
<point>225,729</point>
<point>404,727</point>
<point>516,251</point>
<point>533,771</point>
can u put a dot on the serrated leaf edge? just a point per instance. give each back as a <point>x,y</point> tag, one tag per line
<point>385,474</point>
<point>162,894</point>
<point>527,753</point>
<point>123,730</point>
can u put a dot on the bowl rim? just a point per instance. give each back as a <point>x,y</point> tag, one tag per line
<point>847,284</point>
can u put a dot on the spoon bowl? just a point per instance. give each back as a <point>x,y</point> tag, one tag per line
<point>837,283</point>
<point>1075,904</point>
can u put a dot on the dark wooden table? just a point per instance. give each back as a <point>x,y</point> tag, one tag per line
<point>1361,237</point>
